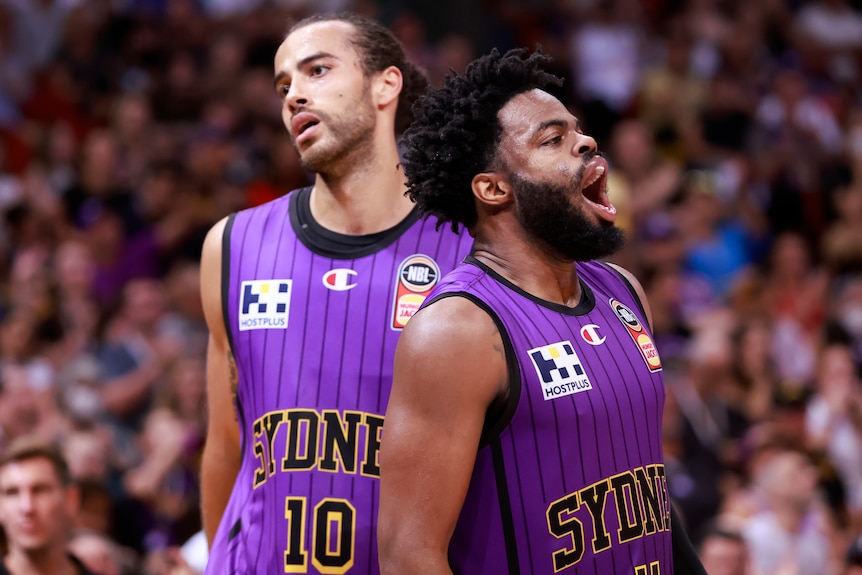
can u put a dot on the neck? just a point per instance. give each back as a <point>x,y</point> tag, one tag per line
<point>364,199</point>
<point>535,270</point>
<point>790,517</point>
<point>40,562</point>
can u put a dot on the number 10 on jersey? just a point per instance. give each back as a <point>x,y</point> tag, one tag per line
<point>331,537</point>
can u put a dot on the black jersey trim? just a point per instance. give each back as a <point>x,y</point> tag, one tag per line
<point>585,306</point>
<point>225,276</point>
<point>505,508</point>
<point>499,414</point>
<point>225,297</point>
<point>333,245</point>
<point>630,287</point>
<point>234,530</point>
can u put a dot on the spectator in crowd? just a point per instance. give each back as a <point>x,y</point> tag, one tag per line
<point>842,242</point>
<point>834,421</point>
<point>724,552</point>
<point>100,554</point>
<point>136,355</point>
<point>38,503</point>
<point>791,528</point>
<point>605,51</point>
<point>642,181</point>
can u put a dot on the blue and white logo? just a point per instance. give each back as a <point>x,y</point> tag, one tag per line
<point>560,370</point>
<point>265,304</point>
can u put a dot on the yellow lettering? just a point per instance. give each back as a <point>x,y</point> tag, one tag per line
<point>628,506</point>
<point>570,527</point>
<point>374,425</point>
<point>260,472</point>
<point>301,424</point>
<point>339,441</point>
<point>640,502</point>
<point>594,497</point>
<point>665,496</point>
<point>271,423</point>
<point>329,440</point>
<point>650,493</point>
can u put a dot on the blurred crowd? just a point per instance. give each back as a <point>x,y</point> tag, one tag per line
<point>734,133</point>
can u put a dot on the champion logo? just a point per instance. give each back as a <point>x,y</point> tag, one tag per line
<point>590,334</point>
<point>340,279</point>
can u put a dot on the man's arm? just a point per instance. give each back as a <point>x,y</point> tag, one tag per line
<point>220,463</point>
<point>434,420</point>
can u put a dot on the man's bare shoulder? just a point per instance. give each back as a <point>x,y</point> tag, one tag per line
<point>212,245</point>
<point>449,332</point>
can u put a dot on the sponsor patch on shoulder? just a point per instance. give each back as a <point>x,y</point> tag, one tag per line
<point>265,304</point>
<point>417,276</point>
<point>638,334</point>
<point>560,370</point>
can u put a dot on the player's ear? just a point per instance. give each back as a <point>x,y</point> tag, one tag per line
<point>492,189</point>
<point>386,86</point>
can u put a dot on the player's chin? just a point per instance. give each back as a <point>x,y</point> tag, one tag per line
<point>314,159</point>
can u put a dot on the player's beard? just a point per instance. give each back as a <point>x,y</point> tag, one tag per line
<point>347,140</point>
<point>549,216</point>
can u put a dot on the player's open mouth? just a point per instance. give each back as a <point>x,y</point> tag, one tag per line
<point>306,126</point>
<point>302,123</point>
<point>595,188</point>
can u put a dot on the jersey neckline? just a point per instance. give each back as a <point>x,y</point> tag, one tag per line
<point>332,244</point>
<point>585,306</point>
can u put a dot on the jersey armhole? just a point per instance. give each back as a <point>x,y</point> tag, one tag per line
<point>225,276</point>
<point>500,412</point>
<point>225,298</point>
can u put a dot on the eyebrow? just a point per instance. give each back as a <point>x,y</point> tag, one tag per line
<point>302,63</point>
<point>550,123</point>
<point>558,123</point>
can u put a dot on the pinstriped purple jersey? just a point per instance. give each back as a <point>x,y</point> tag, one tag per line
<point>313,331</point>
<point>570,478</point>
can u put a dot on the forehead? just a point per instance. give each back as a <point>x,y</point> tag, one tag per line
<point>526,112</point>
<point>28,471</point>
<point>332,37</point>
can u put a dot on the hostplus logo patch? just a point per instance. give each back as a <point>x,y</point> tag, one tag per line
<point>560,370</point>
<point>265,304</point>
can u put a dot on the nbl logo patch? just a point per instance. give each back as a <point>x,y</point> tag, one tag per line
<point>560,370</point>
<point>638,333</point>
<point>417,276</point>
<point>265,304</point>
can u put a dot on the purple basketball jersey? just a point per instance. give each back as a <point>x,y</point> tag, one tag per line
<point>313,318</point>
<point>570,478</point>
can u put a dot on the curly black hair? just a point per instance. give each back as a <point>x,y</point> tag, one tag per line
<point>378,49</point>
<point>456,131</point>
